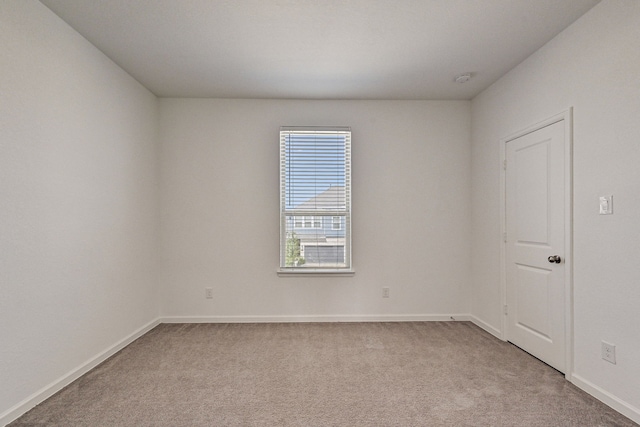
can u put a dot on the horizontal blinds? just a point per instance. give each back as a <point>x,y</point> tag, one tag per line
<point>315,169</point>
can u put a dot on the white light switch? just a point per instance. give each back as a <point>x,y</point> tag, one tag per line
<point>606,205</point>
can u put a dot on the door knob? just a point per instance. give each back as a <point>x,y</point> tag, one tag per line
<point>555,258</point>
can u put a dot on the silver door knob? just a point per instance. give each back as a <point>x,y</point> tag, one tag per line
<point>555,258</point>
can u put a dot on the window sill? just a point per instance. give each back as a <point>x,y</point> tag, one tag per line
<point>315,273</point>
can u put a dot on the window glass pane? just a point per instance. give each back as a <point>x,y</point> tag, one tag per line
<point>314,247</point>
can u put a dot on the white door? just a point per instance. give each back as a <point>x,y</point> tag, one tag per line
<point>535,240</point>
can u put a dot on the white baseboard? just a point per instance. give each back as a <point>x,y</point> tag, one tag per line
<point>609,399</point>
<point>487,327</point>
<point>46,392</point>
<point>317,318</point>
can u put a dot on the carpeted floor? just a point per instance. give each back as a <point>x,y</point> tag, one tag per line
<point>322,374</point>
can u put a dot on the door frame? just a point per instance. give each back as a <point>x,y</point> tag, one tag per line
<point>567,116</point>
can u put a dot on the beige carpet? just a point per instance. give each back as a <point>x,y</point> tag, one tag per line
<point>327,374</point>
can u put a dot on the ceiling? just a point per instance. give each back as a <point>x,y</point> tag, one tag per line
<point>318,49</point>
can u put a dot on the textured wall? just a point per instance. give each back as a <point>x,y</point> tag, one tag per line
<point>78,190</point>
<point>220,201</point>
<point>594,66</point>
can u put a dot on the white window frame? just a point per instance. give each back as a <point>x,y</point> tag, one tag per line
<point>328,213</point>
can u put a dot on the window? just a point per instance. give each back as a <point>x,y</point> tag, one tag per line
<point>336,223</point>
<point>315,199</point>
<point>307,222</point>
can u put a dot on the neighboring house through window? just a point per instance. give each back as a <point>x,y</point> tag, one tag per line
<point>315,199</point>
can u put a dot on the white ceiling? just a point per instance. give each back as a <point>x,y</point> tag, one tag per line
<point>318,49</point>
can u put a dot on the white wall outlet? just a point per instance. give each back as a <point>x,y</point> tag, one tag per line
<point>385,292</point>
<point>208,293</point>
<point>609,352</point>
<point>606,205</point>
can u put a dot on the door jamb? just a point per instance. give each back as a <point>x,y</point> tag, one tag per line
<point>567,116</point>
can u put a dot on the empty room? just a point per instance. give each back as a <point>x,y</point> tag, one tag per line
<point>313,213</point>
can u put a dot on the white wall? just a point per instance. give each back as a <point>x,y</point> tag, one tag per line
<point>593,66</point>
<point>220,201</point>
<point>79,202</point>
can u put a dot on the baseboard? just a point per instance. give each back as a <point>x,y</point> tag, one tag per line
<point>609,399</point>
<point>46,392</point>
<point>487,327</point>
<point>317,318</point>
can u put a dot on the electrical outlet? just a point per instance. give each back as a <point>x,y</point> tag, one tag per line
<point>208,293</point>
<point>609,352</point>
<point>385,292</point>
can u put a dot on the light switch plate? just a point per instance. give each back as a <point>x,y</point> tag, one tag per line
<point>606,205</point>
